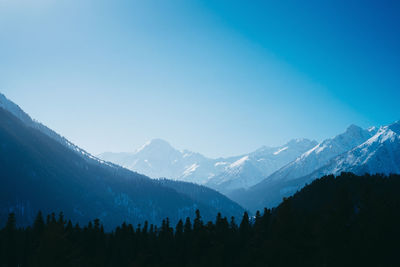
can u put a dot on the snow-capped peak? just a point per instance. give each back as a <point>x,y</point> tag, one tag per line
<point>353,128</point>
<point>356,150</point>
<point>158,158</point>
<point>155,144</point>
<point>379,154</point>
<point>389,132</point>
<point>395,127</point>
<point>320,154</point>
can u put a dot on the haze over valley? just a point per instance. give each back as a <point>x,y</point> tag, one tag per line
<point>199,133</point>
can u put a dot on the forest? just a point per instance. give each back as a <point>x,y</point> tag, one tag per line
<point>347,220</point>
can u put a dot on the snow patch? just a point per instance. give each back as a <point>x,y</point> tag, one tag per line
<point>143,146</point>
<point>221,163</point>
<point>239,162</point>
<point>321,148</point>
<point>190,169</point>
<point>280,150</point>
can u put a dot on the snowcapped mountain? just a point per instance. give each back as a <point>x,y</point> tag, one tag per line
<point>379,154</point>
<point>250,169</point>
<point>158,158</point>
<point>357,150</point>
<point>320,155</point>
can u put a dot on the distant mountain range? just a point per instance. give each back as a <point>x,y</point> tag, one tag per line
<point>263,177</point>
<point>41,170</point>
<point>158,158</point>
<point>357,150</point>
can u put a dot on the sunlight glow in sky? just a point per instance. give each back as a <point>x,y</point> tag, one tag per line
<point>217,77</point>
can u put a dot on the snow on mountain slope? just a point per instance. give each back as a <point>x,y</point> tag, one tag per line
<point>254,167</point>
<point>320,155</point>
<point>40,172</point>
<point>380,153</point>
<point>158,158</point>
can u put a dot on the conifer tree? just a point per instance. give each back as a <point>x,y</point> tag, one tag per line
<point>188,226</point>
<point>179,229</point>
<point>10,241</point>
<point>198,223</point>
<point>38,225</point>
<point>244,228</point>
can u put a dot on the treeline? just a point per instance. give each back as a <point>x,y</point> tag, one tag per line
<point>344,221</point>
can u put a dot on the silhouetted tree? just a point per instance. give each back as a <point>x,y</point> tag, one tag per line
<point>346,220</point>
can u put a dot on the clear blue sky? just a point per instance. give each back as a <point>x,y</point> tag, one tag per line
<point>217,77</point>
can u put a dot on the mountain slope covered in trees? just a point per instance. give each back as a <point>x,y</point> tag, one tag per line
<point>344,221</point>
<point>39,172</point>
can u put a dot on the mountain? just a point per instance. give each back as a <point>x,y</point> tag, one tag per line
<point>322,153</point>
<point>15,110</point>
<point>158,158</point>
<point>379,154</point>
<point>250,169</point>
<point>359,151</point>
<point>345,221</point>
<point>42,171</point>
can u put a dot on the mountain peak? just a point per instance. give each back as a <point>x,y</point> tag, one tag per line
<point>14,109</point>
<point>395,127</point>
<point>156,144</point>
<point>5,102</point>
<point>353,128</point>
<point>159,141</point>
<point>354,134</point>
<point>300,141</point>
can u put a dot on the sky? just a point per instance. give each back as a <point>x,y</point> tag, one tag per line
<point>216,77</point>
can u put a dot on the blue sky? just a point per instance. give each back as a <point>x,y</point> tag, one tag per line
<point>217,77</point>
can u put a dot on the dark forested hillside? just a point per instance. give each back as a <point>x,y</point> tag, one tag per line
<point>345,221</point>
<point>205,195</point>
<point>39,173</point>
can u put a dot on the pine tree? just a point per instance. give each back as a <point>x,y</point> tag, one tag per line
<point>179,230</point>
<point>96,223</point>
<point>38,225</point>
<point>53,218</point>
<point>10,241</point>
<point>188,226</point>
<point>233,225</point>
<point>198,223</point>
<point>145,227</point>
<point>244,228</point>
<point>61,220</point>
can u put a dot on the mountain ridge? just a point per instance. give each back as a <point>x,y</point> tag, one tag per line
<point>184,165</point>
<point>380,153</point>
<point>41,173</point>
